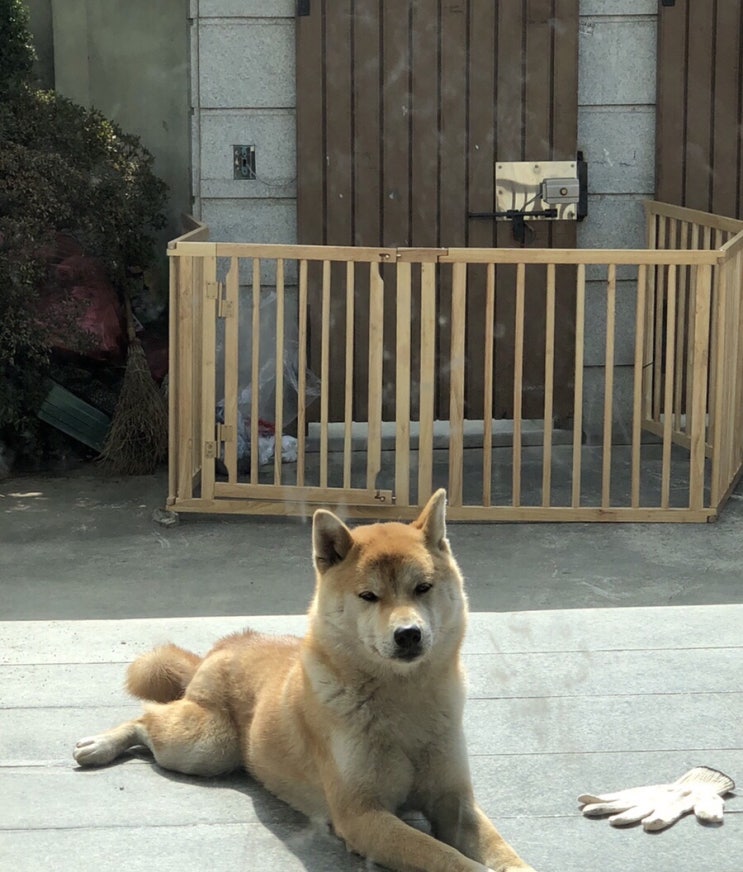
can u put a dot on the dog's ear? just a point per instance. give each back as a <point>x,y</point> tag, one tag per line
<point>432,521</point>
<point>331,540</point>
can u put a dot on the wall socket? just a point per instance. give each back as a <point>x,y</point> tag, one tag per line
<point>243,162</point>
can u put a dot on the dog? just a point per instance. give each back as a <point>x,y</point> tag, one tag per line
<point>356,722</point>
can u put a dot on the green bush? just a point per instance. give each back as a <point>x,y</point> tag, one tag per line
<point>62,168</point>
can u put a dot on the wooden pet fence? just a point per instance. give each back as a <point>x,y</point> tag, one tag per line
<point>385,377</point>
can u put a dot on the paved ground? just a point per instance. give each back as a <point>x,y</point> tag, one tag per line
<point>573,686</point>
<point>85,547</point>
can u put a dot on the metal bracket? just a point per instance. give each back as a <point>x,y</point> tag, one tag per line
<point>225,433</point>
<point>226,308</point>
<point>213,290</point>
<point>210,450</point>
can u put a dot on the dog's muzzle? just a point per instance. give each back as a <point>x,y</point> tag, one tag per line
<point>408,642</point>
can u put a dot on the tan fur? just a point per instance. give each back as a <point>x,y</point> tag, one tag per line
<point>352,724</point>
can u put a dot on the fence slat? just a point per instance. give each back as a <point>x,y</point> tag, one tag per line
<point>182,386</point>
<point>231,354</point>
<point>302,375</point>
<point>681,330</point>
<point>650,303</point>
<point>659,313</point>
<point>637,408</point>
<point>402,387</point>
<point>518,375</point>
<point>733,393</point>
<point>324,373</point>
<point>279,406</point>
<point>737,399</point>
<point>456,383</point>
<point>208,377</point>
<point>376,359</point>
<point>487,438</point>
<point>665,488</point>
<point>580,324</point>
<point>174,365</point>
<point>611,305</point>
<point>690,332</point>
<point>348,400</point>
<point>702,295</point>
<point>255,368</point>
<point>718,405</point>
<point>427,381</point>
<point>549,369</point>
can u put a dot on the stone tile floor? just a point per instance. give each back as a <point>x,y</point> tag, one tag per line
<point>560,703</point>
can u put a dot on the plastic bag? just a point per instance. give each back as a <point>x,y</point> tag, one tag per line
<point>267,408</point>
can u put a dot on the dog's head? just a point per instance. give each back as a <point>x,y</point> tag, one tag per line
<point>389,593</point>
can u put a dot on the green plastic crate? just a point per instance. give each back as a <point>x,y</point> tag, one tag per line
<point>73,416</point>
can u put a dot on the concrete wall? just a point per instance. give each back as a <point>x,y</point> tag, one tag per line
<point>131,61</point>
<point>40,22</point>
<point>616,130</point>
<point>244,94</point>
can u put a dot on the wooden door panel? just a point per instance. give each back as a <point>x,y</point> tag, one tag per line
<point>699,162</point>
<point>403,107</point>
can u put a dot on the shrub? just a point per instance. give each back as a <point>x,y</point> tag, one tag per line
<point>62,168</point>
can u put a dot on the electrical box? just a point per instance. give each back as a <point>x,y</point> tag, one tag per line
<point>538,190</point>
<point>558,192</point>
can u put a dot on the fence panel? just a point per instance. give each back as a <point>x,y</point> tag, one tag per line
<point>670,440</point>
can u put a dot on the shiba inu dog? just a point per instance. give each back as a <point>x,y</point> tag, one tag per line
<point>352,724</point>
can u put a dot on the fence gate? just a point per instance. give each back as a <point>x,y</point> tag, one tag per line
<point>403,107</point>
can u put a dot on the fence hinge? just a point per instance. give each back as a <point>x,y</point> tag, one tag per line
<point>225,433</point>
<point>210,450</point>
<point>226,308</point>
<point>214,290</point>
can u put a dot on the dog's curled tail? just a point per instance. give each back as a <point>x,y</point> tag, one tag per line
<point>163,674</point>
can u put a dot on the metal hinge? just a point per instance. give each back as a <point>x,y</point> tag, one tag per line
<point>214,290</point>
<point>225,433</point>
<point>210,450</point>
<point>226,309</point>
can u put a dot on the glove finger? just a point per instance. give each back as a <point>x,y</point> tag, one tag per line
<point>596,809</point>
<point>598,797</point>
<point>710,808</point>
<point>668,812</point>
<point>628,797</point>
<point>631,815</point>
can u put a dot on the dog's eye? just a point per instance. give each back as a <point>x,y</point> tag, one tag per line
<point>368,596</point>
<point>422,588</point>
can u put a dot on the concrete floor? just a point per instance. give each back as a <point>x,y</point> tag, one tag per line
<point>84,546</point>
<point>573,688</point>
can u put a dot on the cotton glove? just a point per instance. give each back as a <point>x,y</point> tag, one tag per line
<point>659,805</point>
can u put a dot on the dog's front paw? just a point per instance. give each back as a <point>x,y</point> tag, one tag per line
<point>95,751</point>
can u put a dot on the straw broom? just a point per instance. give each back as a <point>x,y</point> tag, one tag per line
<point>137,440</point>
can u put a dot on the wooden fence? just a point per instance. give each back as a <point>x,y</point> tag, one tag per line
<point>655,437</point>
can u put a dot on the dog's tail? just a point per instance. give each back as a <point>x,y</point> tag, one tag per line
<point>162,675</point>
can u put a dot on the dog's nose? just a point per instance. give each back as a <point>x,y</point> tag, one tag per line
<point>408,637</point>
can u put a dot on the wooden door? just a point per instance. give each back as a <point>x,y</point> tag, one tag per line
<point>403,107</point>
<point>699,159</point>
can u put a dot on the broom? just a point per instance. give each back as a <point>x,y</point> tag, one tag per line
<point>137,440</point>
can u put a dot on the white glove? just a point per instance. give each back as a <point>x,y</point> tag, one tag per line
<point>659,805</point>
